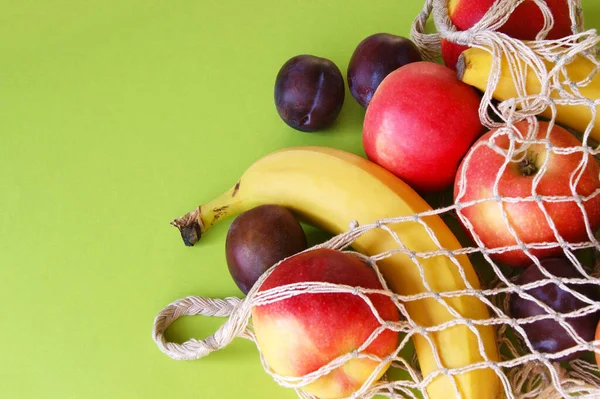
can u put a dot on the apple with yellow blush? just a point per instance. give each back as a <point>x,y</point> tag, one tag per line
<point>302,333</point>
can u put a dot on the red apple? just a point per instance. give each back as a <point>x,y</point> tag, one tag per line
<point>480,169</point>
<point>525,22</point>
<point>597,338</point>
<point>420,123</point>
<point>302,333</point>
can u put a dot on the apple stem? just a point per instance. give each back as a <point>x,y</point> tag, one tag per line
<point>528,165</point>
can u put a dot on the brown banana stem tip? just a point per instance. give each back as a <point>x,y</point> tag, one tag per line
<point>460,67</point>
<point>189,226</point>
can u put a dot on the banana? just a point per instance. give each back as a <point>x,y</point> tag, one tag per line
<point>329,189</point>
<point>475,65</point>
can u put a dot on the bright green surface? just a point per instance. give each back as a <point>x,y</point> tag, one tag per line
<point>116,117</point>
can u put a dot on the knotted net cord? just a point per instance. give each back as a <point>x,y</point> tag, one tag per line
<point>523,371</point>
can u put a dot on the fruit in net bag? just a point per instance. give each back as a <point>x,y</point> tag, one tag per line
<point>329,188</point>
<point>304,332</point>
<point>525,22</point>
<point>475,68</point>
<point>548,335</point>
<point>490,217</point>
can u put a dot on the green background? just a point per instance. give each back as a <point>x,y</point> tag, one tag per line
<point>116,117</point>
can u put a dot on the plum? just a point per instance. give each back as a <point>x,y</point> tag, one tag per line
<point>259,238</point>
<point>547,335</point>
<point>309,92</point>
<point>373,59</point>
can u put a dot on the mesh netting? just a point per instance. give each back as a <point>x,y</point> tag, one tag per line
<point>520,368</point>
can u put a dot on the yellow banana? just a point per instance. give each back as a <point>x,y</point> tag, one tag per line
<point>474,67</point>
<point>330,188</point>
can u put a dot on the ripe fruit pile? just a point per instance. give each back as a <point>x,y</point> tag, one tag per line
<point>520,202</point>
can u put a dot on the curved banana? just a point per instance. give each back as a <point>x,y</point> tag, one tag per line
<point>330,188</point>
<point>475,64</point>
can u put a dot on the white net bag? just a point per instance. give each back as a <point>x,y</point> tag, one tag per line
<point>474,332</point>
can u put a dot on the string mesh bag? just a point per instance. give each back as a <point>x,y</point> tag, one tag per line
<point>516,367</point>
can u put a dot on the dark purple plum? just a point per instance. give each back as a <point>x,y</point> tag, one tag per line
<point>309,92</point>
<point>373,59</point>
<point>548,336</point>
<point>259,238</point>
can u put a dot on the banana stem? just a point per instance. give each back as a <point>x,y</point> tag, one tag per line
<point>195,223</point>
<point>190,226</point>
<point>461,67</point>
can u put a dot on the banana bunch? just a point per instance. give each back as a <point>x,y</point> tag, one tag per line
<point>475,65</point>
<point>330,188</point>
